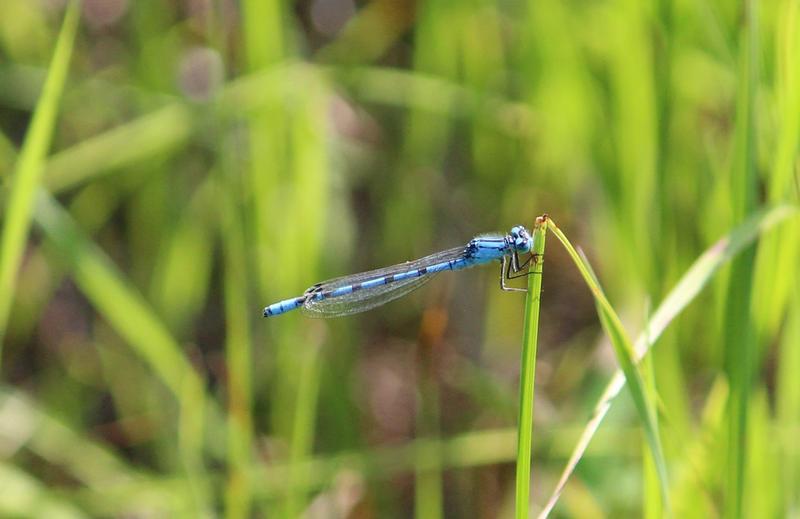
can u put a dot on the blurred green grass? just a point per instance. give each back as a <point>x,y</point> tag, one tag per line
<point>209,158</point>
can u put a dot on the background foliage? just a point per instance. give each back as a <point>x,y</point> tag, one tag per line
<point>190,162</point>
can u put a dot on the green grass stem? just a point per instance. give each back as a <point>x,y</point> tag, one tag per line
<point>238,343</point>
<point>528,371</point>
<point>738,337</point>
<point>17,217</point>
<point>304,424</point>
<point>428,484</point>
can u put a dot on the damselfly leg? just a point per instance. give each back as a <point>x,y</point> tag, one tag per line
<point>516,267</point>
<point>513,269</point>
<point>505,273</point>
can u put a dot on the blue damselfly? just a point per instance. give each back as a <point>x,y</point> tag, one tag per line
<point>360,292</point>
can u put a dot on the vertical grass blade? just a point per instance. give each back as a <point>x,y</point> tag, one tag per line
<point>527,371</point>
<point>788,405</point>
<point>303,425</point>
<point>17,217</point>
<point>625,356</point>
<point>310,170</point>
<point>738,337</point>
<point>779,253</point>
<point>428,480</point>
<point>238,352</point>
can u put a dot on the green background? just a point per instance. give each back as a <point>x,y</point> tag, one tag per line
<point>206,158</point>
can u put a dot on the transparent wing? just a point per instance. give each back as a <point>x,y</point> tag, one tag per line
<point>368,298</point>
<point>363,300</point>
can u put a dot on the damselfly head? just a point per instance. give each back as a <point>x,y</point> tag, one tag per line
<point>520,239</point>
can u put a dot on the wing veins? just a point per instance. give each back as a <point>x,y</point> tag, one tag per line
<point>367,298</point>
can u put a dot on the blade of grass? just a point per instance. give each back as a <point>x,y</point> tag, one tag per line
<point>429,485</point>
<point>776,286</point>
<point>788,404</point>
<point>155,133</point>
<point>105,287</point>
<point>470,450</point>
<point>778,254</point>
<point>650,502</point>
<point>693,487</point>
<point>738,336</point>
<point>21,493</point>
<point>166,129</point>
<point>625,356</point>
<point>764,494</point>
<point>303,426</point>
<point>369,33</point>
<point>486,448</point>
<point>132,318</point>
<point>17,218</point>
<point>679,297</point>
<point>309,171</point>
<point>443,96</point>
<point>528,371</point>
<point>180,283</point>
<point>268,125</point>
<point>264,46</point>
<point>162,131</point>
<point>237,342</point>
<point>23,423</point>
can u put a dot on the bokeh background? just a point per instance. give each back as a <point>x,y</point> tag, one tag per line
<point>212,157</point>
